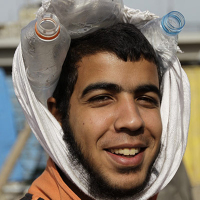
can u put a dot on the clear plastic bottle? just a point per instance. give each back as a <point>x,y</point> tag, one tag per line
<point>163,32</point>
<point>45,43</point>
<point>85,16</point>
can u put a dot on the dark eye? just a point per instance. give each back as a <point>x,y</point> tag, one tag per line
<point>100,100</point>
<point>148,102</point>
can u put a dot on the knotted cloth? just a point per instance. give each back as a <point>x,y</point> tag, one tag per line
<point>175,114</point>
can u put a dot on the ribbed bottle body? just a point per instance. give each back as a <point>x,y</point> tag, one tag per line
<point>44,47</point>
<point>162,33</point>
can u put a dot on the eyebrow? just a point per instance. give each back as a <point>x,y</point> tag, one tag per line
<point>148,88</point>
<point>101,86</point>
<point>117,89</point>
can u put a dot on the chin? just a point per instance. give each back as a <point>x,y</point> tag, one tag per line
<point>124,185</point>
<point>130,181</point>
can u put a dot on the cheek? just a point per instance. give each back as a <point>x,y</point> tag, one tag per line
<point>89,126</point>
<point>153,123</point>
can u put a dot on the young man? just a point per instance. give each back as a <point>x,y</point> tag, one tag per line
<point>108,103</point>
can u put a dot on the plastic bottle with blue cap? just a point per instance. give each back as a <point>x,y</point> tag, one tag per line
<point>163,32</point>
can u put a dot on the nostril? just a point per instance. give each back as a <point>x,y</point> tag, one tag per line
<point>131,132</point>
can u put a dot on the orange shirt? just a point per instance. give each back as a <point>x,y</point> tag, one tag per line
<point>51,186</point>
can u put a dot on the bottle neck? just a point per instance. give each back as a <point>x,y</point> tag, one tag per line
<point>47,26</point>
<point>173,23</point>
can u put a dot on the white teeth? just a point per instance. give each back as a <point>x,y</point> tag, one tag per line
<point>137,150</point>
<point>133,151</point>
<point>120,151</point>
<point>126,151</point>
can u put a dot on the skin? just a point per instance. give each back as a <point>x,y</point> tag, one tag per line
<point>116,104</point>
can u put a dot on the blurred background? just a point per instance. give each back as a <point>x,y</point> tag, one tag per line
<point>22,159</point>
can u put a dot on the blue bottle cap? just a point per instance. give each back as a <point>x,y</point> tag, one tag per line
<point>173,23</point>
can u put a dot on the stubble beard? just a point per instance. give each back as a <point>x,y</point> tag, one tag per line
<point>98,186</point>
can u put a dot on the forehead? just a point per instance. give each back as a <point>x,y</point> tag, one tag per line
<point>107,67</point>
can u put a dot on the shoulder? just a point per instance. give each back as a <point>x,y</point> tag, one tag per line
<point>30,197</point>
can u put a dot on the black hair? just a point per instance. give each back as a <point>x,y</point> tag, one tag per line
<point>124,40</point>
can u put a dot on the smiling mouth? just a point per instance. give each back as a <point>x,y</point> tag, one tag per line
<point>127,152</point>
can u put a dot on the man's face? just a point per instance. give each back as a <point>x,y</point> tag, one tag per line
<point>115,118</point>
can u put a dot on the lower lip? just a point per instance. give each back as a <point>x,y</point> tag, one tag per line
<point>125,161</point>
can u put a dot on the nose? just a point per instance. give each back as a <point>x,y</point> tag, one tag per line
<point>128,116</point>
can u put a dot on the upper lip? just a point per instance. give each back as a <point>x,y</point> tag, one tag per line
<point>127,145</point>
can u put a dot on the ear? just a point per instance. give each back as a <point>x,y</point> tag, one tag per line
<point>51,103</point>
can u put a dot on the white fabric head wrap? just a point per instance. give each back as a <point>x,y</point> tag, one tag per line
<point>175,113</point>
